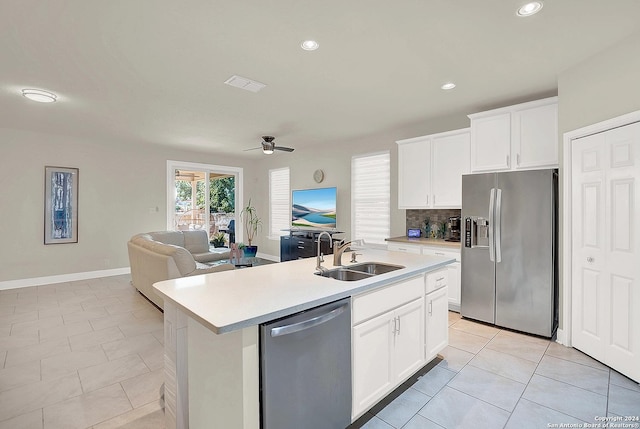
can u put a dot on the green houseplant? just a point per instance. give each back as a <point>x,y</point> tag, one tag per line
<point>252,224</point>
<point>218,239</point>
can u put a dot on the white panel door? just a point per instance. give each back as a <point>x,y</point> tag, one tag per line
<point>606,237</point>
<point>450,161</point>
<point>414,174</point>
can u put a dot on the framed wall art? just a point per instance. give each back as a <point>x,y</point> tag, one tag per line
<point>60,205</point>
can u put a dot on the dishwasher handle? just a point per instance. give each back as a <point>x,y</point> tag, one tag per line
<point>309,323</point>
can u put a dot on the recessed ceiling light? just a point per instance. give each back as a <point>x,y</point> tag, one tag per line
<point>447,86</point>
<point>309,45</point>
<point>530,8</point>
<point>39,95</point>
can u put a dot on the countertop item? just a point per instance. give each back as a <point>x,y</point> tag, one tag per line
<point>426,241</point>
<point>232,300</point>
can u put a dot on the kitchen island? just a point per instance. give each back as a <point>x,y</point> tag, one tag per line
<point>211,329</point>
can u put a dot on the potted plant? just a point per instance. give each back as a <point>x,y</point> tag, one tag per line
<point>218,239</point>
<point>251,223</point>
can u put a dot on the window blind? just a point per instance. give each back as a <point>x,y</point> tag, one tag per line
<point>371,198</point>
<point>279,204</point>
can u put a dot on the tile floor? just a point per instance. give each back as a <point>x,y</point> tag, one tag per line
<point>89,354</point>
<point>494,378</point>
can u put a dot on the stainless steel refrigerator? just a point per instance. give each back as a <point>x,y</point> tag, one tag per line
<point>509,250</point>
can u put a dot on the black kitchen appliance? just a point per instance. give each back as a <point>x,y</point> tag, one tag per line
<point>454,229</point>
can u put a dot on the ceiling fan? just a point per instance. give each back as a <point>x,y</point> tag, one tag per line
<point>268,146</point>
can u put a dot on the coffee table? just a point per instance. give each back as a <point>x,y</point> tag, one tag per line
<point>244,262</point>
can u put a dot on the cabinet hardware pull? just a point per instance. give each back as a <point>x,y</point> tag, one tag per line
<point>300,247</point>
<point>440,253</point>
<point>439,279</point>
<point>507,160</point>
<point>427,199</point>
<point>434,199</point>
<point>431,308</point>
<point>518,159</point>
<point>398,325</point>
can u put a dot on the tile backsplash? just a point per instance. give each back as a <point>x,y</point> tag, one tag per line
<point>416,218</point>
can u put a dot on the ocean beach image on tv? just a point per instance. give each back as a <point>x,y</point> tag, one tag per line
<point>313,208</point>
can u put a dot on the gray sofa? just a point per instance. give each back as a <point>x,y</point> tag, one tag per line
<point>164,255</point>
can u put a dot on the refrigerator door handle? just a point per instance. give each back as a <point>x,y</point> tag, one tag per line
<point>498,225</point>
<point>492,198</point>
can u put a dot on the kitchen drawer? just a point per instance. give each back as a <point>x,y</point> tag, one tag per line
<point>401,247</point>
<point>440,252</point>
<point>437,279</point>
<point>380,301</point>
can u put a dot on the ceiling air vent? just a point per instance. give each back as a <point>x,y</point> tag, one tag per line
<point>244,83</point>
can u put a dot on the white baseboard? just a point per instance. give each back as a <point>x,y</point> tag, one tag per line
<point>38,281</point>
<point>561,338</point>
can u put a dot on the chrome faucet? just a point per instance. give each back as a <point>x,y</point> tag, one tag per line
<point>319,255</point>
<point>340,248</point>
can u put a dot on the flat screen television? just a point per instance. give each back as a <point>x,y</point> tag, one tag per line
<point>313,208</point>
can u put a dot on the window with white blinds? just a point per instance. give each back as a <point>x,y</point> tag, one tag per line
<point>371,198</point>
<point>279,204</point>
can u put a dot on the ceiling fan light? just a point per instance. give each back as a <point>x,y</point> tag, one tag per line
<point>267,151</point>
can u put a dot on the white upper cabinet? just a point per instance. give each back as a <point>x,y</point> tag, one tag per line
<point>430,170</point>
<point>414,173</point>
<point>519,137</point>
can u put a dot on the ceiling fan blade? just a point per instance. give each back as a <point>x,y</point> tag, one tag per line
<point>286,149</point>
<point>253,148</point>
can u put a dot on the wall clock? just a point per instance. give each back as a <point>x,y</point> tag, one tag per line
<point>318,175</point>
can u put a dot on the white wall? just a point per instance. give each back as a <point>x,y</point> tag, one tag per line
<point>118,185</point>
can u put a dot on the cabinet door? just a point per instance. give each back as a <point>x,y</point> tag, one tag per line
<point>535,137</point>
<point>408,324</point>
<point>491,143</point>
<point>372,370</point>
<point>450,162</point>
<point>414,173</point>
<point>437,317</point>
<point>285,248</point>
<point>453,284</point>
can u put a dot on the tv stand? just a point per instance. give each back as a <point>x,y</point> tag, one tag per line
<point>303,243</point>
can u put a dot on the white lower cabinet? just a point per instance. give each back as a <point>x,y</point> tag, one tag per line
<point>388,344</point>
<point>437,322</point>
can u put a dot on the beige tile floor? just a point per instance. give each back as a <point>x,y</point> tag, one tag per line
<point>88,354</point>
<point>84,354</point>
<point>495,378</point>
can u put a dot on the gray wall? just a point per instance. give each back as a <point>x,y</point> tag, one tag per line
<point>600,88</point>
<point>118,184</point>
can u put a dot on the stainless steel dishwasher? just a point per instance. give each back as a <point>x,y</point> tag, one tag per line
<point>305,369</point>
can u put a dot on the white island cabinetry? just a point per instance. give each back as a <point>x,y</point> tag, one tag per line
<point>436,307</point>
<point>212,340</point>
<point>388,340</point>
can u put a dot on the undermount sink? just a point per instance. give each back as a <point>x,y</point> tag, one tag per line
<point>360,271</point>
<point>374,268</point>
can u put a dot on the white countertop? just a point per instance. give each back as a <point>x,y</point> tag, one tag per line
<point>232,300</point>
<point>435,242</point>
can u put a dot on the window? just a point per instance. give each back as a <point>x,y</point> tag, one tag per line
<point>371,198</point>
<point>279,205</point>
